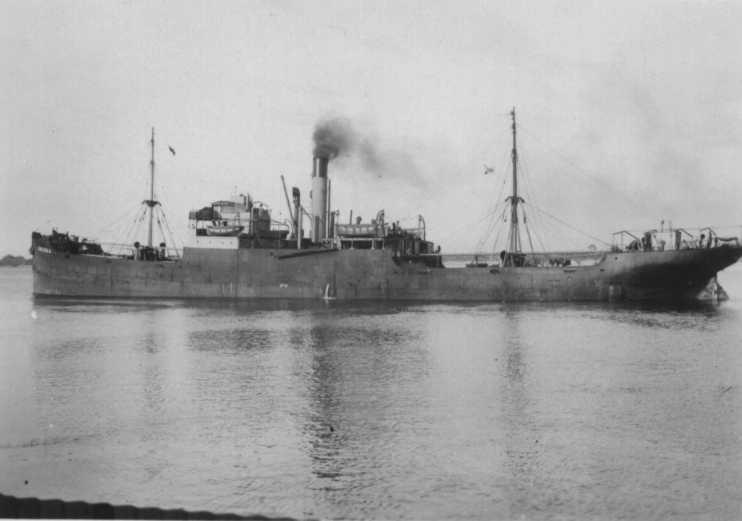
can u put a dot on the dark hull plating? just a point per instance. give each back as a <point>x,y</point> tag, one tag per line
<point>374,274</point>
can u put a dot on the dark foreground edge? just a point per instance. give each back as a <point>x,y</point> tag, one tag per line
<point>31,507</point>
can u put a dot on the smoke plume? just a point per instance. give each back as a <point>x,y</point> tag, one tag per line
<point>338,137</point>
<point>334,137</point>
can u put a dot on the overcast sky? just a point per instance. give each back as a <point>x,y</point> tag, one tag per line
<point>630,113</point>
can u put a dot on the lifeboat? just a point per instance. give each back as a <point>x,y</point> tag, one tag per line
<point>224,231</point>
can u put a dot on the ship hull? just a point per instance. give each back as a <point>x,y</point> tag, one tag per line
<point>374,274</point>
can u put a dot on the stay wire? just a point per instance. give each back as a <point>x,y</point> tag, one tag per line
<point>159,225</point>
<point>569,225</point>
<point>482,219</point>
<point>124,216</point>
<point>526,186</point>
<point>172,235</point>
<point>495,218</point>
<point>528,230</point>
<point>133,228</point>
<point>499,232</point>
<point>490,227</point>
<point>582,173</point>
<point>527,191</point>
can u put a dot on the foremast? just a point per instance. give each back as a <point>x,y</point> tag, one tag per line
<point>151,202</point>
<point>514,242</point>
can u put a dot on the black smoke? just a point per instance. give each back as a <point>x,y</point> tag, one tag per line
<point>338,137</point>
<point>334,137</point>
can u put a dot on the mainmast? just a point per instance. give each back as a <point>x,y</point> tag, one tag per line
<point>514,242</point>
<point>151,203</point>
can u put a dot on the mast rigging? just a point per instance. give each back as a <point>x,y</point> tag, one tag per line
<point>151,203</point>
<point>514,242</point>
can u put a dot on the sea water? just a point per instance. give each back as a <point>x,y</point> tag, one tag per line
<point>374,410</point>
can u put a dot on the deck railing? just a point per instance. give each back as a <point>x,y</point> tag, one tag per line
<point>676,238</point>
<point>130,251</point>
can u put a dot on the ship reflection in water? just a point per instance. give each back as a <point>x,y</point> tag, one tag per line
<point>375,410</point>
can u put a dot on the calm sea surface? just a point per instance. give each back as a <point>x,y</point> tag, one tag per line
<point>375,410</point>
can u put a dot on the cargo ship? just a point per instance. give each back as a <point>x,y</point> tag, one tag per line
<point>237,251</point>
